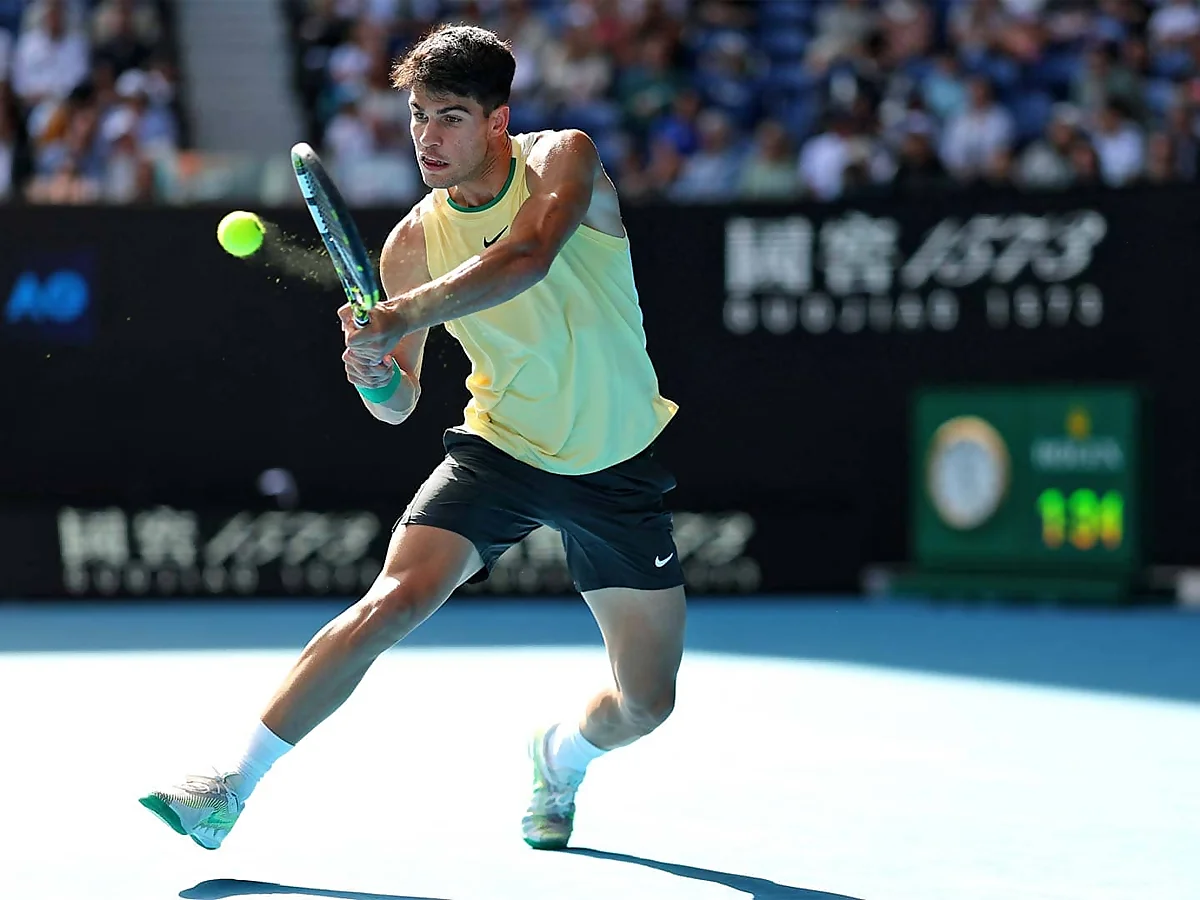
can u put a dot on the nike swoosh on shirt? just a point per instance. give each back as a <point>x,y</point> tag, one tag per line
<point>662,562</point>
<point>487,243</point>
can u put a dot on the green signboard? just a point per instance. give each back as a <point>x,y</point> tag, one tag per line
<point>1029,480</point>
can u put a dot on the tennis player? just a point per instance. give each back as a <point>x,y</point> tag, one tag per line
<point>519,251</point>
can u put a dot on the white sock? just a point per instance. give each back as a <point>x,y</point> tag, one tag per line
<point>264,750</point>
<point>569,749</point>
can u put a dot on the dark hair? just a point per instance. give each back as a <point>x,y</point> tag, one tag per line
<point>462,60</point>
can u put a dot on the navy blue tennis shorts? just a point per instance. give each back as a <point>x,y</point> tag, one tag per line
<point>615,530</point>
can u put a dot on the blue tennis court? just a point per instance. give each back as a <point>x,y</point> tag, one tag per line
<point>819,750</point>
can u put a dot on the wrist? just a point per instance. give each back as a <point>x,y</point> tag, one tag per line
<point>382,394</point>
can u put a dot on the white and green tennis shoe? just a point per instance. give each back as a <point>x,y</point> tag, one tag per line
<point>204,807</point>
<point>551,815</point>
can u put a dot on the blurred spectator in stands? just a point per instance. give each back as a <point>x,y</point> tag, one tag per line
<point>731,14</point>
<point>666,17</point>
<point>1117,19</point>
<point>128,175</point>
<point>6,53</point>
<point>75,15</point>
<point>384,108</point>
<point>769,171</point>
<point>944,91</point>
<point>612,28</point>
<point>679,126</point>
<point>1045,164</point>
<point>918,167</point>
<point>1103,75</point>
<point>349,64</point>
<point>146,97</point>
<point>348,136</point>
<point>841,156</point>
<point>841,29</point>
<point>1180,133</point>
<point>70,160</point>
<point>529,35</point>
<point>9,136</point>
<point>1173,24</point>
<point>996,36</point>
<point>118,39</point>
<point>50,61</point>
<point>321,29</point>
<point>998,172</point>
<point>897,120</point>
<point>138,18</point>
<point>577,74</point>
<point>10,15</point>
<point>906,27</point>
<point>1085,163</point>
<point>711,173</point>
<point>728,78</point>
<point>1160,162</point>
<point>647,89</point>
<point>976,136</point>
<point>653,177</point>
<point>1120,146</point>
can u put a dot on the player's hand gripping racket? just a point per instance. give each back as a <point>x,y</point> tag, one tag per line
<point>338,231</point>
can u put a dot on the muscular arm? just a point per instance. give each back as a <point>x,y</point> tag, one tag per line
<point>560,194</point>
<point>402,267</point>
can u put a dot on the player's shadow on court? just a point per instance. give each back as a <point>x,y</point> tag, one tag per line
<point>757,888</point>
<point>218,888</point>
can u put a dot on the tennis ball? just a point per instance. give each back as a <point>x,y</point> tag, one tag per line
<point>241,233</point>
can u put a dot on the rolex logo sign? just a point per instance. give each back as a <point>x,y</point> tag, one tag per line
<point>1078,449</point>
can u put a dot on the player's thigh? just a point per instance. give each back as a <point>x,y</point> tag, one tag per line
<point>422,568</point>
<point>644,633</point>
<point>426,560</point>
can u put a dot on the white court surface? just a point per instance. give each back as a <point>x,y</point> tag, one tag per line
<point>776,778</point>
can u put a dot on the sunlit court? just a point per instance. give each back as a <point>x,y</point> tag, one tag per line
<point>819,749</point>
<point>471,449</point>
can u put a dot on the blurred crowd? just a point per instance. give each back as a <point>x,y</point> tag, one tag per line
<point>88,98</point>
<point>688,100</point>
<point>699,100</point>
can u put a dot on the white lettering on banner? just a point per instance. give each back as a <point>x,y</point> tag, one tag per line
<point>166,551</point>
<point>858,253</point>
<point>166,535</point>
<point>768,254</point>
<point>849,275</point>
<point>162,550</point>
<point>711,548</point>
<point>94,536</point>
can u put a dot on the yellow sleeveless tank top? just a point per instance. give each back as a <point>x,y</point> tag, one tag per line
<point>560,377</point>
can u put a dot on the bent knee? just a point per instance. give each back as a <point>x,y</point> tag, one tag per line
<point>392,608</point>
<point>648,711</point>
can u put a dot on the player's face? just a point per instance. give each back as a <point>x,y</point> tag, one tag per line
<point>450,136</point>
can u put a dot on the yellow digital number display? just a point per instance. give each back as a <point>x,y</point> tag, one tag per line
<point>1081,518</point>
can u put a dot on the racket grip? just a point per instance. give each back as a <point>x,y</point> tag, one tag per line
<point>361,319</point>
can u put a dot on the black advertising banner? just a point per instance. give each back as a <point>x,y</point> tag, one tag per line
<point>146,369</point>
<point>166,551</point>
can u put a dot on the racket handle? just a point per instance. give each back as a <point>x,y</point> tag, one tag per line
<point>361,319</point>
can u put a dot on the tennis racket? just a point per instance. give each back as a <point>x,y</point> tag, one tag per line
<point>338,231</point>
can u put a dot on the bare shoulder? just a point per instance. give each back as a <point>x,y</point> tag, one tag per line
<point>570,154</point>
<point>408,230</point>
<point>555,148</point>
<point>402,264</point>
